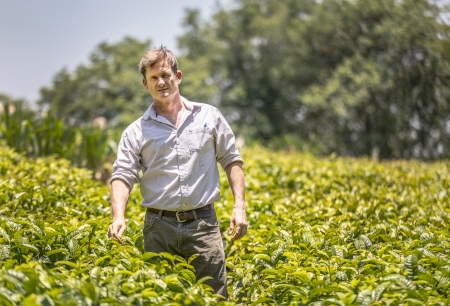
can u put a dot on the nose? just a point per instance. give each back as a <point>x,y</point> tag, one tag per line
<point>161,81</point>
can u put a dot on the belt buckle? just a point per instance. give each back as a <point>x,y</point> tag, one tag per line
<point>178,217</point>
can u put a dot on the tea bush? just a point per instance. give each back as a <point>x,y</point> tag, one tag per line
<point>323,231</point>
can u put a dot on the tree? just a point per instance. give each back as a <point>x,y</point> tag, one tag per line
<point>388,91</point>
<point>354,77</point>
<point>250,54</point>
<point>109,86</point>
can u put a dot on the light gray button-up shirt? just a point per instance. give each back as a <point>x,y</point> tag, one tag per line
<point>179,166</point>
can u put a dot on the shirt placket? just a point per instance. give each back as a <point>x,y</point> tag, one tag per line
<point>183,159</point>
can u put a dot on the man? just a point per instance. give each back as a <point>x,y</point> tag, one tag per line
<point>177,144</point>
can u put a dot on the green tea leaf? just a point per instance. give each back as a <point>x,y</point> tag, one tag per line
<point>57,251</point>
<point>4,251</point>
<point>26,246</point>
<point>66,263</point>
<point>5,234</point>
<point>188,275</point>
<point>89,291</point>
<point>411,266</point>
<point>149,255</point>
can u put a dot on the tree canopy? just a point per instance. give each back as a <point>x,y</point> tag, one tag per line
<point>354,77</point>
<point>108,86</point>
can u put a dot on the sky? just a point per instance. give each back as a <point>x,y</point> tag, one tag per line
<point>39,38</point>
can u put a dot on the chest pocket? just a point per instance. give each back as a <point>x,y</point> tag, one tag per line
<point>199,138</point>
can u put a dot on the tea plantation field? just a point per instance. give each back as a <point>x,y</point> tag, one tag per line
<point>330,231</point>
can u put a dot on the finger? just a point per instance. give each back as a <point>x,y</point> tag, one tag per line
<point>244,230</point>
<point>241,231</point>
<point>111,231</point>
<point>120,240</point>
<point>231,227</point>
<point>237,233</point>
<point>115,231</point>
<point>121,230</point>
<point>119,233</point>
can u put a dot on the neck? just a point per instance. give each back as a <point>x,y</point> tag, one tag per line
<point>171,110</point>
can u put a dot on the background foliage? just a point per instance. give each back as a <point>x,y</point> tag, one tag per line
<point>356,77</point>
<point>108,86</point>
<point>353,77</point>
<point>42,134</point>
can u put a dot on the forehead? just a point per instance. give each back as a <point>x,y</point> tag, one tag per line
<point>158,68</point>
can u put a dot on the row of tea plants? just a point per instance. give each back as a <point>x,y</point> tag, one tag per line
<point>341,231</point>
<point>322,231</point>
<point>54,248</point>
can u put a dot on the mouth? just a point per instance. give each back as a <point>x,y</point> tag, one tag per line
<point>164,92</point>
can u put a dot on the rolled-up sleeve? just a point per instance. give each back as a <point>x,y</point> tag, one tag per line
<point>127,164</point>
<point>226,150</point>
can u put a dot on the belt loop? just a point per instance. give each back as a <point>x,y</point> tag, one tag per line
<point>195,214</point>
<point>160,214</point>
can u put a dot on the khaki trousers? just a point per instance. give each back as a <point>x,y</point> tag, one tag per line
<point>200,236</point>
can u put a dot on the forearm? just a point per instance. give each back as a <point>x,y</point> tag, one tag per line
<point>238,222</point>
<point>235,176</point>
<point>120,193</point>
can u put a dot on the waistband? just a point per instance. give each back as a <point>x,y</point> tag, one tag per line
<point>183,216</point>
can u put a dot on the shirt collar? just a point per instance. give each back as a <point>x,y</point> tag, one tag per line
<point>188,104</point>
<point>150,113</point>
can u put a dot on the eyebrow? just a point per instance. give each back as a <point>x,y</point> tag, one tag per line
<point>168,71</point>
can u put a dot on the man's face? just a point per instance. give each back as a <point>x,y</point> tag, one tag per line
<point>161,82</point>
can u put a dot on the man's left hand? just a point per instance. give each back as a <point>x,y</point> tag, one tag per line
<point>238,222</point>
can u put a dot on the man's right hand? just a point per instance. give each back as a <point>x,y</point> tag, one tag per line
<point>120,192</point>
<point>116,229</point>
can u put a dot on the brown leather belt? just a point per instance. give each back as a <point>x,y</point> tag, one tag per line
<point>183,216</point>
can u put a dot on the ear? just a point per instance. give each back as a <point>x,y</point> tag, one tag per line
<point>179,76</point>
<point>144,81</point>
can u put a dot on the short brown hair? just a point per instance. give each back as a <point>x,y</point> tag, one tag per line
<point>153,56</point>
